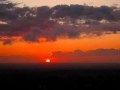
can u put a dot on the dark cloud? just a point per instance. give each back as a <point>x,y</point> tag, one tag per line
<point>103,52</point>
<point>90,56</point>
<point>79,53</point>
<point>52,34</point>
<point>76,20</point>
<point>74,11</point>
<point>16,59</point>
<point>7,42</point>
<point>43,12</point>
<point>32,36</point>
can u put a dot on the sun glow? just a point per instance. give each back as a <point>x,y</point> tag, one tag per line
<point>47,60</point>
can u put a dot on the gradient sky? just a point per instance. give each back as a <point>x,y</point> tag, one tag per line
<point>56,2</point>
<point>61,42</point>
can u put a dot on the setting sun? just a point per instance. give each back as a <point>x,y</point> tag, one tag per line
<point>47,60</point>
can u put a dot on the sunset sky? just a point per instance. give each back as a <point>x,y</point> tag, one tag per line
<point>63,33</point>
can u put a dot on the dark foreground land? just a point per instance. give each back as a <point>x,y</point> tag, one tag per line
<point>60,76</point>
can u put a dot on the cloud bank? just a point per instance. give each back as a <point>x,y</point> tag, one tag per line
<point>66,21</point>
<point>16,59</point>
<point>98,55</point>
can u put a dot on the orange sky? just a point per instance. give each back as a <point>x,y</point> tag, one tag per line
<point>44,49</point>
